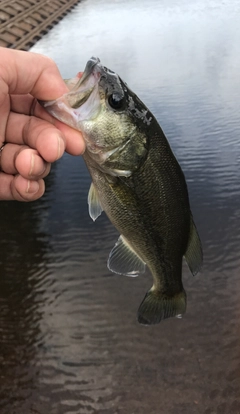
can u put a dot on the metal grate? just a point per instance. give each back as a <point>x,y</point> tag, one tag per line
<point>23,22</point>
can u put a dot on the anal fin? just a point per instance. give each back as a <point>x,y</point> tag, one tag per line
<point>124,260</point>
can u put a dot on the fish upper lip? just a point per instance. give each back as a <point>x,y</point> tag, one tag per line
<point>89,69</point>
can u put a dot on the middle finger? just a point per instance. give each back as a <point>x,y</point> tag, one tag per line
<point>37,134</point>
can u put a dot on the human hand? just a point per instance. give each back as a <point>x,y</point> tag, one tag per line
<point>33,139</point>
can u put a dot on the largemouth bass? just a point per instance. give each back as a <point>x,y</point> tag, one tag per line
<point>139,184</point>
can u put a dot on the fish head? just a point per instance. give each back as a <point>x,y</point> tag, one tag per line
<point>103,108</point>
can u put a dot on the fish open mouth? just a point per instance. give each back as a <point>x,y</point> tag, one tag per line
<point>82,101</point>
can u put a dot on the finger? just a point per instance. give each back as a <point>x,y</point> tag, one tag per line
<point>75,144</point>
<point>37,134</point>
<point>4,110</point>
<point>50,139</point>
<point>23,160</point>
<point>20,189</point>
<point>22,104</point>
<point>27,72</point>
<point>27,105</point>
<point>31,166</point>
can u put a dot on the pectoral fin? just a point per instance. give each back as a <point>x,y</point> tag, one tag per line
<point>124,260</point>
<point>94,205</point>
<point>194,255</point>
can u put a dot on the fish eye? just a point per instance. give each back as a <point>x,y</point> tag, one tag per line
<point>116,101</point>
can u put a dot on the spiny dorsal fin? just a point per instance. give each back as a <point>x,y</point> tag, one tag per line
<point>124,260</point>
<point>94,206</point>
<point>194,255</point>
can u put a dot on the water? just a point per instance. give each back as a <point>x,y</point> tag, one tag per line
<point>69,340</point>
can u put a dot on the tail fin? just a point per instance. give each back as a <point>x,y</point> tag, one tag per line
<point>157,306</point>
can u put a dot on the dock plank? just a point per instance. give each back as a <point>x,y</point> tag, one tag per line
<point>24,22</point>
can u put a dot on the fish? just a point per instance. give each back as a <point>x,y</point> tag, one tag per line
<point>139,184</point>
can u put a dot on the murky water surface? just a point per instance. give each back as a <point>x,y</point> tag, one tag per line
<point>69,340</point>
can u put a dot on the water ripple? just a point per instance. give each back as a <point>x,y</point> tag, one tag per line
<point>69,339</point>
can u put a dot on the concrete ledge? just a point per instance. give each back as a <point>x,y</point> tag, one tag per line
<point>24,22</point>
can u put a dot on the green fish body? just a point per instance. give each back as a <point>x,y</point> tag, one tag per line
<point>138,182</point>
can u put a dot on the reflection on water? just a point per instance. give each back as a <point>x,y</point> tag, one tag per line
<point>69,340</point>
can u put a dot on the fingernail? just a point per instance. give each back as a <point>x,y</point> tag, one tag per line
<point>32,187</point>
<point>34,165</point>
<point>61,147</point>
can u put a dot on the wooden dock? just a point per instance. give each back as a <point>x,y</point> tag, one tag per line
<point>24,22</point>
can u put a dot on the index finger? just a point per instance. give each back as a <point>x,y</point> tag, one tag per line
<point>28,72</point>
<point>32,75</point>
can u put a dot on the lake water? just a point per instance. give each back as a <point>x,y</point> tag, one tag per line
<point>69,339</point>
